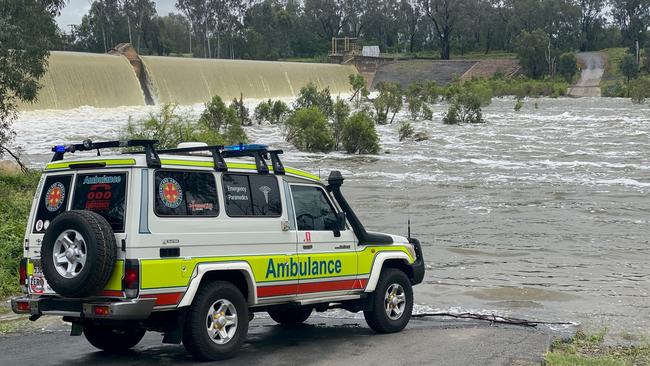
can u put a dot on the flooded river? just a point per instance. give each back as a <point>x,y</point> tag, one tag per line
<point>542,214</point>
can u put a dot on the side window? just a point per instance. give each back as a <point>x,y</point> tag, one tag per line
<point>53,201</point>
<point>314,212</point>
<point>251,195</point>
<point>185,194</point>
<point>104,194</point>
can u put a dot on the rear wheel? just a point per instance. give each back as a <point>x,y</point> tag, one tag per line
<point>217,322</point>
<point>392,302</point>
<point>293,316</point>
<point>112,339</point>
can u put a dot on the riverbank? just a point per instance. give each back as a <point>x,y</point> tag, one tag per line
<point>590,349</point>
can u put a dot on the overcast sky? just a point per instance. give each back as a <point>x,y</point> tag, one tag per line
<point>75,9</point>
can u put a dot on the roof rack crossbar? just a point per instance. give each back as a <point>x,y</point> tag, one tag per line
<point>278,167</point>
<point>87,145</point>
<point>259,152</point>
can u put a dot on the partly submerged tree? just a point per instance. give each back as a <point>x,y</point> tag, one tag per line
<point>27,33</point>
<point>307,130</point>
<point>359,135</point>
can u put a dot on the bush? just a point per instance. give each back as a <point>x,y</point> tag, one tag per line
<point>220,123</point>
<point>271,111</point>
<point>464,108</point>
<point>431,92</point>
<point>169,128</point>
<point>519,105</point>
<point>613,89</point>
<point>307,130</point>
<point>341,114</point>
<point>310,96</point>
<point>359,135</point>
<point>388,100</point>
<point>640,90</point>
<point>427,113</point>
<point>279,111</point>
<point>629,68</point>
<point>15,203</point>
<point>405,131</point>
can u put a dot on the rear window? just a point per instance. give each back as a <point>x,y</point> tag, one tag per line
<point>251,195</point>
<point>53,201</point>
<point>186,194</point>
<point>104,194</point>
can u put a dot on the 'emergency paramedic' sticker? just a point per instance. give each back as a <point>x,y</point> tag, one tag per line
<point>54,196</point>
<point>170,192</point>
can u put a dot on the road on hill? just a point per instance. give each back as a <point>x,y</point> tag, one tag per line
<point>593,67</point>
<point>322,341</point>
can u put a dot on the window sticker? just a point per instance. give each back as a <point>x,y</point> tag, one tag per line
<point>54,197</point>
<point>103,194</point>
<point>170,192</point>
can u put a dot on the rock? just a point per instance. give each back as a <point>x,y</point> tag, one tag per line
<point>420,136</point>
<point>9,167</point>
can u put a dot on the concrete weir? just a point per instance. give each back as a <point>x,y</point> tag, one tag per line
<point>123,78</point>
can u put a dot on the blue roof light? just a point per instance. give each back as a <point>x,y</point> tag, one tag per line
<point>243,147</point>
<point>59,148</point>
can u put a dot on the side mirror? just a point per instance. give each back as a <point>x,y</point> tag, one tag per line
<point>340,224</point>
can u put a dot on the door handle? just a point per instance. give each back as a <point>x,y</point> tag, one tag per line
<point>343,246</point>
<point>307,246</point>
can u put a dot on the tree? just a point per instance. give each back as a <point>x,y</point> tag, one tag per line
<point>633,17</point>
<point>444,14</point>
<point>311,96</point>
<point>629,68</point>
<point>359,89</point>
<point>359,135</point>
<point>27,33</point>
<point>464,108</point>
<point>139,14</point>
<point>568,65</point>
<point>591,17</point>
<point>532,53</point>
<point>307,130</point>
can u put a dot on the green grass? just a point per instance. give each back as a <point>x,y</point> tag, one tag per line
<point>588,349</point>
<point>614,57</point>
<point>16,194</point>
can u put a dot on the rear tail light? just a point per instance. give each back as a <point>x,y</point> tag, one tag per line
<point>22,273</point>
<point>131,281</point>
<point>101,310</point>
<point>22,307</point>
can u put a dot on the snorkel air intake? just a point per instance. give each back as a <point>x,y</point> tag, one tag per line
<point>334,183</point>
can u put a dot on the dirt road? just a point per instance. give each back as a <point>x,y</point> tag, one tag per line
<point>593,66</point>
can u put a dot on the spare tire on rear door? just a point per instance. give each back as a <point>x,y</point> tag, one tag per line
<point>78,253</point>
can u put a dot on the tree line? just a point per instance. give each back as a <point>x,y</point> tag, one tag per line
<point>277,29</point>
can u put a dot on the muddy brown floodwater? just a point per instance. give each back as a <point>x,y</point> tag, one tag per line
<point>542,214</point>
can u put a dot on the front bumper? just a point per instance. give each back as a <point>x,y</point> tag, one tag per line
<point>132,309</point>
<point>418,266</point>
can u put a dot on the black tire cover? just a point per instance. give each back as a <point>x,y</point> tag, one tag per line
<point>100,247</point>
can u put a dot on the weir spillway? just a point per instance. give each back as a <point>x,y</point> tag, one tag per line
<point>75,79</point>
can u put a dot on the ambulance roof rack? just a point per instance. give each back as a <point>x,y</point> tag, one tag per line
<point>257,151</point>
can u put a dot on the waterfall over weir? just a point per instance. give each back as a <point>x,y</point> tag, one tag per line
<point>189,81</point>
<point>76,79</point>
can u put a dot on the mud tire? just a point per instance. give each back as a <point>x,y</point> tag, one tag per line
<point>376,317</point>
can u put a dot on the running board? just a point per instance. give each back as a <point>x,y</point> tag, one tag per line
<point>329,299</point>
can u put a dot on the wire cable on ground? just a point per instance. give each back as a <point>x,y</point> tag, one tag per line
<point>492,318</point>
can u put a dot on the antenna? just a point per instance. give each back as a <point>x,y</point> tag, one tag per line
<point>408,235</point>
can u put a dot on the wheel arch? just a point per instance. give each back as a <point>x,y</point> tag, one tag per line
<point>239,274</point>
<point>398,260</point>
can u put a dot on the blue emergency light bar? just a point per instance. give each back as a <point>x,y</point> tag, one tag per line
<point>246,147</point>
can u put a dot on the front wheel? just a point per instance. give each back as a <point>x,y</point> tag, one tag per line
<point>392,302</point>
<point>217,322</point>
<point>112,339</point>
